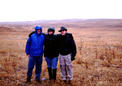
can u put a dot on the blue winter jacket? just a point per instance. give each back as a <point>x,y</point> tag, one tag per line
<point>34,45</point>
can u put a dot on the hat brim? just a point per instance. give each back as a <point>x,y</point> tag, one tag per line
<point>62,30</point>
<point>59,30</point>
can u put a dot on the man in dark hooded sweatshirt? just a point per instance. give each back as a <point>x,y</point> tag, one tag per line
<point>51,53</point>
<point>34,50</point>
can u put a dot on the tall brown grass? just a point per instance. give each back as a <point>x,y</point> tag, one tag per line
<point>98,60</point>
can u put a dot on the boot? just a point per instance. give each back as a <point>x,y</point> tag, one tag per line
<point>54,74</point>
<point>28,80</point>
<point>50,73</point>
<point>69,82</point>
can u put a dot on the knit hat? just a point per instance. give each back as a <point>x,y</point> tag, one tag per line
<point>51,29</point>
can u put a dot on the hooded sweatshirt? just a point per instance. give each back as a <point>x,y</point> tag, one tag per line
<point>34,45</point>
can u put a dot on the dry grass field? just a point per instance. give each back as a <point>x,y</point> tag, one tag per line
<point>98,60</point>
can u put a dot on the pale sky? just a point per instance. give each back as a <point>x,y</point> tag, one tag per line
<point>30,10</point>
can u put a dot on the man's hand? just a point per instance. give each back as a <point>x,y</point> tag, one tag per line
<point>72,57</point>
<point>28,55</point>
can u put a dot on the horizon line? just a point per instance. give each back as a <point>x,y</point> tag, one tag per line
<point>61,20</point>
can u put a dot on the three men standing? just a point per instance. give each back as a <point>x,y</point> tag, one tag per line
<point>61,45</point>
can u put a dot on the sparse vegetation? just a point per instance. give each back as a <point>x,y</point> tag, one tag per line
<point>98,61</point>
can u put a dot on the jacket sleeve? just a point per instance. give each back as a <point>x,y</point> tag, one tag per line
<point>27,49</point>
<point>58,42</point>
<point>74,50</point>
<point>45,36</point>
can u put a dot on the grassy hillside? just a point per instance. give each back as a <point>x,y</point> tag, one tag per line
<point>98,60</point>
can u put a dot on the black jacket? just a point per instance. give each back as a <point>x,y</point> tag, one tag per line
<point>67,45</point>
<point>51,46</point>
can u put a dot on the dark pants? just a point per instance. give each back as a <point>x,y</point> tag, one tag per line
<point>37,61</point>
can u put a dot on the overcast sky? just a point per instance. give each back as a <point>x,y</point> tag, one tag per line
<point>27,10</point>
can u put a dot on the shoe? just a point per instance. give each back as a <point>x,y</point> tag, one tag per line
<point>64,81</point>
<point>39,81</point>
<point>28,80</point>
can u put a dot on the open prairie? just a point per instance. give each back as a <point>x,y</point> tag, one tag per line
<point>99,52</point>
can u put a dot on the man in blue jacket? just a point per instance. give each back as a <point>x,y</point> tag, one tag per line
<point>34,50</point>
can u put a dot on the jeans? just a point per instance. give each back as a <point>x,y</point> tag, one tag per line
<point>52,62</point>
<point>37,61</point>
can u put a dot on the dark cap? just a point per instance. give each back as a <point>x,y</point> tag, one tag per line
<point>51,29</point>
<point>62,29</point>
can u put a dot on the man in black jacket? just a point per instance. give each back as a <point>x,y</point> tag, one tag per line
<point>51,53</point>
<point>67,50</point>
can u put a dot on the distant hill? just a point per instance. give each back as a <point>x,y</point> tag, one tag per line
<point>69,23</point>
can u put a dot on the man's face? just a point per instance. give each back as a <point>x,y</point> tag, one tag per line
<point>63,32</point>
<point>50,32</point>
<point>39,31</point>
